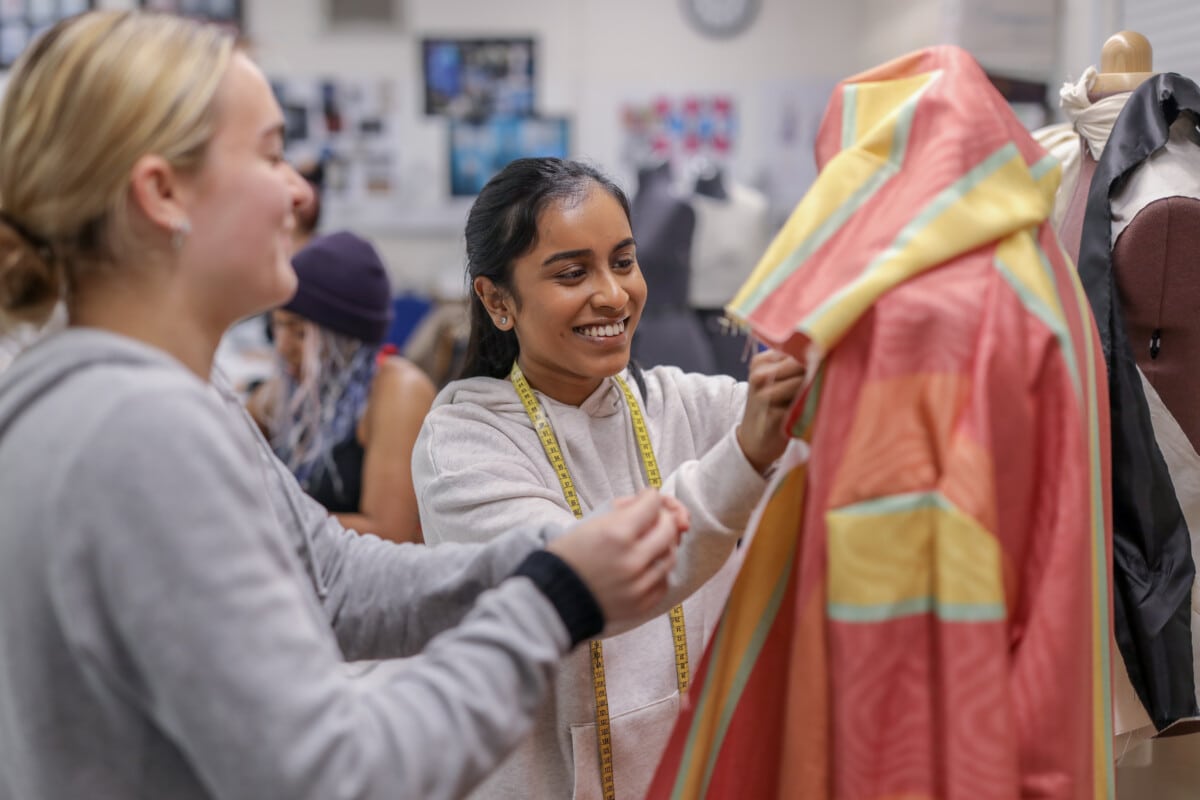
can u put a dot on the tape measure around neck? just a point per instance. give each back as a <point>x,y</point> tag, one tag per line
<point>545,431</point>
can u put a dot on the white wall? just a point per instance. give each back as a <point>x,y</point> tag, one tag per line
<point>1083,26</point>
<point>897,28</point>
<point>1086,26</point>
<point>593,56</point>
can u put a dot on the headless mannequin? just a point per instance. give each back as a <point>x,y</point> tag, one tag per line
<point>710,182</point>
<point>732,231</point>
<point>663,225</point>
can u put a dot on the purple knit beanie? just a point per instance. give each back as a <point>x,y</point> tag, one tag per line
<point>343,286</point>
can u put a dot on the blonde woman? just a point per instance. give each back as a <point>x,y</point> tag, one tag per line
<point>175,612</point>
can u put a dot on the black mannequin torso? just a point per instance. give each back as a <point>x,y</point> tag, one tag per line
<point>663,225</point>
<point>710,182</point>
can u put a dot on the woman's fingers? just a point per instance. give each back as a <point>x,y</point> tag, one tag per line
<point>683,517</point>
<point>653,581</point>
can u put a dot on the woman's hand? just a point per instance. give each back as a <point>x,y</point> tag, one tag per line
<point>624,555</point>
<point>775,380</point>
<point>683,517</point>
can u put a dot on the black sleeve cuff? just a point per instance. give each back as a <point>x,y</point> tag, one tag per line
<point>566,591</point>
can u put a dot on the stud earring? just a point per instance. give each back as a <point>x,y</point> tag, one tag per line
<point>179,233</point>
<point>504,320</point>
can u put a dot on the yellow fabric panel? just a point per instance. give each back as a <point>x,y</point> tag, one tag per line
<point>878,152</point>
<point>877,107</point>
<point>882,553</point>
<point>1019,254</point>
<point>954,224</point>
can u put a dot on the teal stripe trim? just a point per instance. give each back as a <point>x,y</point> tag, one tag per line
<point>1068,340</point>
<point>1052,318</point>
<point>897,503</point>
<point>819,237</point>
<point>729,703</point>
<point>810,405</point>
<point>1041,168</point>
<point>947,612</point>
<point>849,116</point>
<point>936,207</point>
<point>825,231</point>
<point>845,612</point>
<point>904,121</point>
<point>1099,540</point>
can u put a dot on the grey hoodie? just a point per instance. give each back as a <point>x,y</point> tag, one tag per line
<point>479,468</point>
<point>166,600</point>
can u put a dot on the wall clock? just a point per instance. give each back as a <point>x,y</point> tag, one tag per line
<point>721,18</point>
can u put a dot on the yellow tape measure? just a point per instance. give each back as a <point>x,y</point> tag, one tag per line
<point>541,424</point>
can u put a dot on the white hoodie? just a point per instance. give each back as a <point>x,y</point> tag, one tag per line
<point>479,470</point>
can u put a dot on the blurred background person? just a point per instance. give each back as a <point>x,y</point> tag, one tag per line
<point>339,410</point>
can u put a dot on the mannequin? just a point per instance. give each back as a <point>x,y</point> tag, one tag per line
<point>1137,210</point>
<point>663,225</point>
<point>732,231</point>
<point>1093,107</point>
<point>710,181</point>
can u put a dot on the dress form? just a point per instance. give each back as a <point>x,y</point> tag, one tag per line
<point>732,231</point>
<point>1125,63</point>
<point>663,225</point>
<point>1137,209</point>
<point>710,182</point>
<point>1159,288</point>
<point>1153,238</point>
<point>1154,254</point>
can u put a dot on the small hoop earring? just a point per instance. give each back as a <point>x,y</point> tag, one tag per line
<point>179,234</point>
<point>504,320</point>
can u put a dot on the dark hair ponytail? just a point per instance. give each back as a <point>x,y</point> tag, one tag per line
<point>501,227</point>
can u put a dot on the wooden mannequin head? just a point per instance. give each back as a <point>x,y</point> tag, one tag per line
<point>1125,61</point>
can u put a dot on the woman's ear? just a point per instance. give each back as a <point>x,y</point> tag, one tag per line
<point>495,301</point>
<point>155,192</point>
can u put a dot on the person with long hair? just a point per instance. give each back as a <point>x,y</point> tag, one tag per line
<point>338,411</point>
<point>176,613</point>
<point>553,420</point>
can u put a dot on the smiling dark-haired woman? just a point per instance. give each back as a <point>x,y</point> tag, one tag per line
<point>552,420</point>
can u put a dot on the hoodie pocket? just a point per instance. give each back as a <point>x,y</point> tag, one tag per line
<point>639,738</point>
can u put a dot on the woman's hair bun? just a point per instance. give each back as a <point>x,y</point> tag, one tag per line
<point>31,281</point>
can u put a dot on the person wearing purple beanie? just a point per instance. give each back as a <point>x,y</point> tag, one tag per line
<point>340,413</point>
